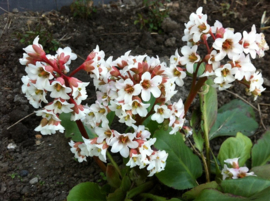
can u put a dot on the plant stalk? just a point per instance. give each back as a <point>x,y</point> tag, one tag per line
<point>114,163</point>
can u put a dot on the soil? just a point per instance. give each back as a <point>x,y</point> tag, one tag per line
<point>44,168</point>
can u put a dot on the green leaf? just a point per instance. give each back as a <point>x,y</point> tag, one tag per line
<point>86,191</point>
<point>112,176</point>
<point>235,147</point>
<point>262,171</point>
<point>245,187</point>
<point>71,129</point>
<point>214,195</point>
<point>198,139</point>
<point>193,193</point>
<point>125,184</point>
<point>117,195</point>
<point>261,196</point>
<point>201,69</point>
<point>139,189</point>
<point>261,150</point>
<point>234,117</point>
<point>182,166</point>
<point>208,103</point>
<point>110,117</point>
<point>158,198</point>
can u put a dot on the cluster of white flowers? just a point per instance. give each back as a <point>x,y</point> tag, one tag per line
<point>46,73</point>
<point>125,86</point>
<point>236,46</point>
<point>235,171</point>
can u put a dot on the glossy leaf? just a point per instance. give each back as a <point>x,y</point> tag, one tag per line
<point>234,117</point>
<point>182,166</point>
<point>245,187</point>
<point>208,102</point>
<point>261,150</point>
<point>117,195</point>
<point>71,129</point>
<point>193,193</point>
<point>214,195</point>
<point>235,147</point>
<point>158,198</point>
<point>125,184</point>
<point>86,191</point>
<point>110,117</point>
<point>262,171</point>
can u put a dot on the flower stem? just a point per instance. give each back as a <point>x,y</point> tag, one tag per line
<point>76,70</point>
<point>205,165</point>
<point>114,163</point>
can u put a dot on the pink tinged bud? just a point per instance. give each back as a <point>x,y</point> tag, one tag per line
<point>73,82</point>
<point>115,72</point>
<point>132,151</point>
<point>39,52</point>
<point>140,142</point>
<point>88,67</point>
<point>208,68</point>
<point>61,80</point>
<point>77,109</point>
<point>94,141</point>
<point>91,56</point>
<point>105,146</point>
<point>220,32</point>
<point>49,69</point>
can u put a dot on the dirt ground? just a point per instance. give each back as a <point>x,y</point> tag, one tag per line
<point>44,169</point>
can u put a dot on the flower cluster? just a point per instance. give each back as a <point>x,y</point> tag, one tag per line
<point>235,171</point>
<point>47,74</point>
<point>126,87</point>
<point>237,48</point>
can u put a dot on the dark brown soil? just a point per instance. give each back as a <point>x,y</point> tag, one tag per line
<point>46,170</point>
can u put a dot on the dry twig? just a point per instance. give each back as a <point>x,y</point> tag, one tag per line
<point>21,120</point>
<point>261,119</point>
<point>242,99</point>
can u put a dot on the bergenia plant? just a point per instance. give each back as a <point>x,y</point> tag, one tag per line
<point>161,139</point>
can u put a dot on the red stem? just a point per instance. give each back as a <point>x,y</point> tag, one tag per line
<point>76,70</point>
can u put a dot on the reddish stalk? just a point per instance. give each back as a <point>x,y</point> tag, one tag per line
<point>76,70</point>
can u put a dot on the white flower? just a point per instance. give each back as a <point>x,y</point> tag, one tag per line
<point>262,44</point>
<point>162,112</point>
<point>228,45</point>
<point>201,27</point>
<point>60,105</point>
<point>145,149</point>
<point>137,107</point>
<point>78,112</point>
<point>157,162</point>
<point>177,73</point>
<point>79,149</point>
<point>249,42</point>
<point>134,160</point>
<point>127,89</point>
<point>122,143</point>
<point>190,57</point>
<point>256,81</point>
<point>104,133</point>
<point>126,117</point>
<point>117,107</point>
<point>65,56</point>
<point>150,85</point>
<point>224,77</point>
<point>58,89</point>
<point>141,133</point>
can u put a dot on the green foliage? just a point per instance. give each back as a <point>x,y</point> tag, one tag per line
<point>45,38</point>
<point>262,171</point>
<point>71,129</point>
<point>193,193</point>
<point>261,150</point>
<point>154,16</point>
<point>82,8</point>
<point>208,104</point>
<point>235,147</point>
<point>158,198</point>
<point>236,116</point>
<point>182,166</point>
<point>86,191</point>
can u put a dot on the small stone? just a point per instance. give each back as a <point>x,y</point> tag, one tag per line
<point>11,145</point>
<point>25,190</point>
<point>266,82</point>
<point>23,173</point>
<point>15,10</point>
<point>170,42</point>
<point>3,167</point>
<point>34,180</point>
<point>38,136</point>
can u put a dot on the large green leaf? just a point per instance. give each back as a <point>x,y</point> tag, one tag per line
<point>262,171</point>
<point>71,129</point>
<point>234,117</point>
<point>112,176</point>
<point>182,166</point>
<point>208,102</point>
<point>214,195</point>
<point>86,191</point>
<point>193,193</point>
<point>261,150</point>
<point>235,147</point>
<point>158,198</point>
<point>245,187</point>
<point>261,196</point>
